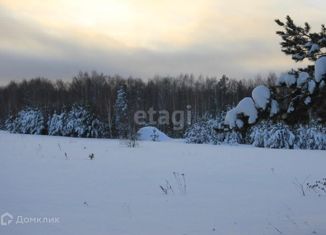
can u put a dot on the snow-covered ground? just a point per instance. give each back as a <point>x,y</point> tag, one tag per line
<point>151,133</point>
<point>227,190</point>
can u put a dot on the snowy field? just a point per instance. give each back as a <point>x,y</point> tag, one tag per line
<point>224,190</point>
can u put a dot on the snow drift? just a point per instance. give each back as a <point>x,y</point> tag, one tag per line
<point>151,133</point>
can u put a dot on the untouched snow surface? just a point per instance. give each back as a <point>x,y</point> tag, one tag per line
<point>229,189</point>
<point>149,132</point>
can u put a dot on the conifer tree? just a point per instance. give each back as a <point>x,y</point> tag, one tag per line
<point>121,113</point>
<point>302,92</point>
<point>299,42</point>
<point>297,96</point>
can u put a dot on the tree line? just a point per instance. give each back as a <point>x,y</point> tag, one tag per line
<point>207,96</point>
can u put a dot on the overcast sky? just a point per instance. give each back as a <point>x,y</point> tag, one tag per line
<point>143,38</point>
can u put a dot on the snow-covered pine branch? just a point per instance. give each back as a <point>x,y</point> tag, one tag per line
<point>300,42</point>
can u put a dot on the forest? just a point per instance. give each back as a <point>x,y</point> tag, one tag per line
<point>207,96</point>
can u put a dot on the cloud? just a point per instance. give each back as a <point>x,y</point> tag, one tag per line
<point>53,39</point>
